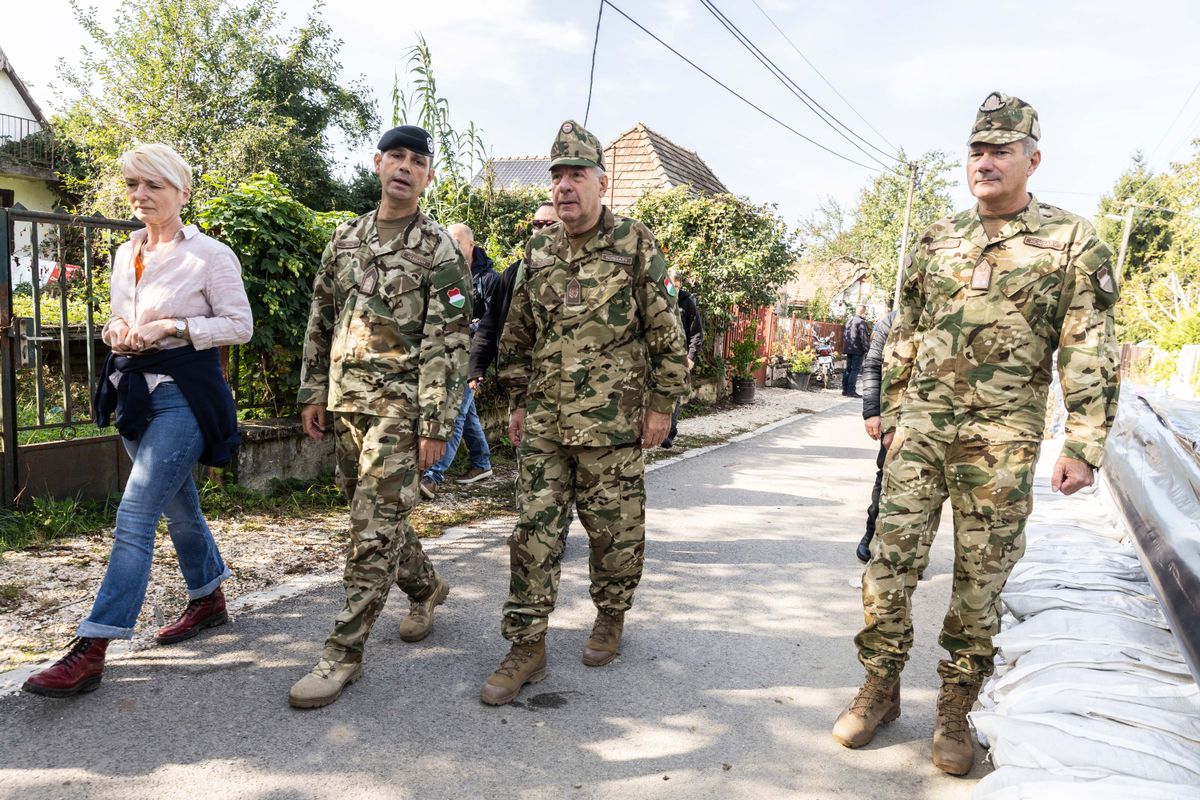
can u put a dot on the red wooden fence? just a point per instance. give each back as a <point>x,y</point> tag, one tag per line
<point>791,332</point>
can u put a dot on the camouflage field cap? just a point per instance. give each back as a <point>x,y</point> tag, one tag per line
<point>1003,119</point>
<point>575,146</point>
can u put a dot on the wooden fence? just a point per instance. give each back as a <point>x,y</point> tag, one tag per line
<point>771,329</point>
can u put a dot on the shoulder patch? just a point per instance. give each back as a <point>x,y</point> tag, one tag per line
<point>616,258</point>
<point>1045,244</point>
<point>944,244</point>
<point>416,258</point>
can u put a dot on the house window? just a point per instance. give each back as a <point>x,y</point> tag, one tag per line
<point>7,198</point>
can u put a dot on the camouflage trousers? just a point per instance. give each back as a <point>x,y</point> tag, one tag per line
<point>608,488</point>
<point>990,489</point>
<point>377,471</point>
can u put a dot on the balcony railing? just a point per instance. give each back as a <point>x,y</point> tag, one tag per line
<point>26,142</point>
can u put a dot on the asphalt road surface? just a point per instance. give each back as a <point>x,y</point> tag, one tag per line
<point>737,658</point>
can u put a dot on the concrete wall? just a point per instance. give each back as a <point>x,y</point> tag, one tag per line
<point>278,449</point>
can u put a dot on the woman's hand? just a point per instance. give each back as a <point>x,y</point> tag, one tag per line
<point>144,337</point>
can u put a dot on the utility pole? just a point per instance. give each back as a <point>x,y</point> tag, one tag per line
<point>912,185</point>
<point>1120,271</point>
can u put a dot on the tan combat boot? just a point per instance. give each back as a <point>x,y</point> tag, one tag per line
<point>953,746</point>
<point>419,622</point>
<point>605,642</point>
<point>324,684</point>
<point>525,663</point>
<point>877,703</point>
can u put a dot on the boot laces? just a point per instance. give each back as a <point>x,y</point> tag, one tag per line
<point>952,711</point>
<point>325,668</point>
<point>515,659</point>
<point>79,646</point>
<point>875,690</point>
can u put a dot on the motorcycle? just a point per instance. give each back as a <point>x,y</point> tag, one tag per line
<point>823,372</point>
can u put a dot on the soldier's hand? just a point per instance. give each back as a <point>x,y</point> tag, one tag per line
<point>516,427</point>
<point>312,419</point>
<point>475,383</point>
<point>430,452</point>
<point>872,425</point>
<point>886,439</point>
<point>655,428</point>
<point>1070,475</point>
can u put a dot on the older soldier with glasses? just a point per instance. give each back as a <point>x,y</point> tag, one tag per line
<point>593,359</point>
<point>386,352</point>
<point>986,297</point>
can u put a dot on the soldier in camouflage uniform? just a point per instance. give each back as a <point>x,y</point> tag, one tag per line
<point>593,358</point>
<point>386,352</point>
<point>987,296</point>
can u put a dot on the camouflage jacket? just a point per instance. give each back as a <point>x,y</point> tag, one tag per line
<point>972,345</point>
<point>586,370</point>
<point>387,332</point>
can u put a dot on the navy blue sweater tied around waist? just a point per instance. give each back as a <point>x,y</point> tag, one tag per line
<point>198,375</point>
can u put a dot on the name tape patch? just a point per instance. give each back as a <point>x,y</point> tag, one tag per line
<point>1045,244</point>
<point>947,244</point>
<point>616,258</point>
<point>347,244</point>
<point>417,259</point>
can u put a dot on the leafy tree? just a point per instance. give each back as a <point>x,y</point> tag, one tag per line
<point>215,81</point>
<point>279,242</point>
<point>1150,239</point>
<point>733,254</point>
<point>869,236</point>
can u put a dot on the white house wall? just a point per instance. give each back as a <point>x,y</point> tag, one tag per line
<point>11,102</point>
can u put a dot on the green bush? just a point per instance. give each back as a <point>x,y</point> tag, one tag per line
<point>279,242</point>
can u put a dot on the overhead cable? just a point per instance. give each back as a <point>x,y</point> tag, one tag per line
<point>804,97</point>
<point>750,103</point>
<point>787,39</point>
<point>592,73</point>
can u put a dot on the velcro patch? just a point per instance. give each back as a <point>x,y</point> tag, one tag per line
<point>1045,244</point>
<point>542,262</point>
<point>616,258</point>
<point>945,244</point>
<point>416,258</point>
<point>347,244</point>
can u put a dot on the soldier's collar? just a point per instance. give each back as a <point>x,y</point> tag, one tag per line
<point>411,236</point>
<point>604,235</point>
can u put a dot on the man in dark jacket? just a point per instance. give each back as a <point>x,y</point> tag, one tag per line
<point>485,342</point>
<point>693,331</point>
<point>855,343</point>
<point>872,372</point>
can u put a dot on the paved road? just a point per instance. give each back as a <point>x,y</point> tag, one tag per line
<point>736,660</point>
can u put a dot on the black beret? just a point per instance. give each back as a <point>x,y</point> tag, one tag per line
<point>410,137</point>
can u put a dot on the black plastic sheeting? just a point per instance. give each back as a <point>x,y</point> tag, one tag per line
<point>1152,467</point>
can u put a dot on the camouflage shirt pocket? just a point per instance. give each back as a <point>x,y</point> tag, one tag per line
<point>400,290</point>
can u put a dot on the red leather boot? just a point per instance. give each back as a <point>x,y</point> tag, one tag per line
<point>75,673</point>
<point>207,612</point>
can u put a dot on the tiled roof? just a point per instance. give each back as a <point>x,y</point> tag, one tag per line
<point>641,160</point>
<point>517,171</point>
<point>828,279</point>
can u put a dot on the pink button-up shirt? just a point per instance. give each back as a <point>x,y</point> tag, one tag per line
<point>194,277</point>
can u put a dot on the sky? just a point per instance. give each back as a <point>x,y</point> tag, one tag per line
<point>1107,78</point>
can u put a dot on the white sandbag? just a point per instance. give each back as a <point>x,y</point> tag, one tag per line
<point>1015,783</point>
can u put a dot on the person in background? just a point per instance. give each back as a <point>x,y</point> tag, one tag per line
<point>177,296</point>
<point>693,331</point>
<point>485,344</point>
<point>855,341</point>
<point>467,425</point>
<point>872,372</point>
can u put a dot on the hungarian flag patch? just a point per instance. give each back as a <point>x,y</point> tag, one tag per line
<point>670,286</point>
<point>456,298</point>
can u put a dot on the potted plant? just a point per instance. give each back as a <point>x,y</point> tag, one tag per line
<point>800,368</point>
<point>743,360</point>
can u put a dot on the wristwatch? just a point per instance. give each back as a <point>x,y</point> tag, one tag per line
<point>181,328</point>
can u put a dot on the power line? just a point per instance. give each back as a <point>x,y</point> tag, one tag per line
<point>1178,114</point>
<point>757,108</point>
<point>822,77</point>
<point>795,88</point>
<point>592,74</point>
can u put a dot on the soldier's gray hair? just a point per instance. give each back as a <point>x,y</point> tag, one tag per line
<point>1030,145</point>
<point>673,273</point>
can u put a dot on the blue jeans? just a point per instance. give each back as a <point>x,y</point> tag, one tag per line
<point>159,484</point>
<point>466,426</point>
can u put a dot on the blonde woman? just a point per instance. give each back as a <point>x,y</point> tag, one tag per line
<point>177,295</point>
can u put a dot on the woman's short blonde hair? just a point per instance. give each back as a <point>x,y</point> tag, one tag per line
<point>157,161</point>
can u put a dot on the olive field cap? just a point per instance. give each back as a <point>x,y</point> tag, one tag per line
<point>575,146</point>
<point>1003,119</point>
<point>410,137</point>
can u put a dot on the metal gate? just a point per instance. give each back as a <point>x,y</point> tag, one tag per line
<point>54,301</point>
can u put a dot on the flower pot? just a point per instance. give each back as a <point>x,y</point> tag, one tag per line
<point>798,380</point>
<point>743,391</point>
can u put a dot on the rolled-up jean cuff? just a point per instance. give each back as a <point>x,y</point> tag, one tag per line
<point>90,630</point>
<point>210,587</point>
